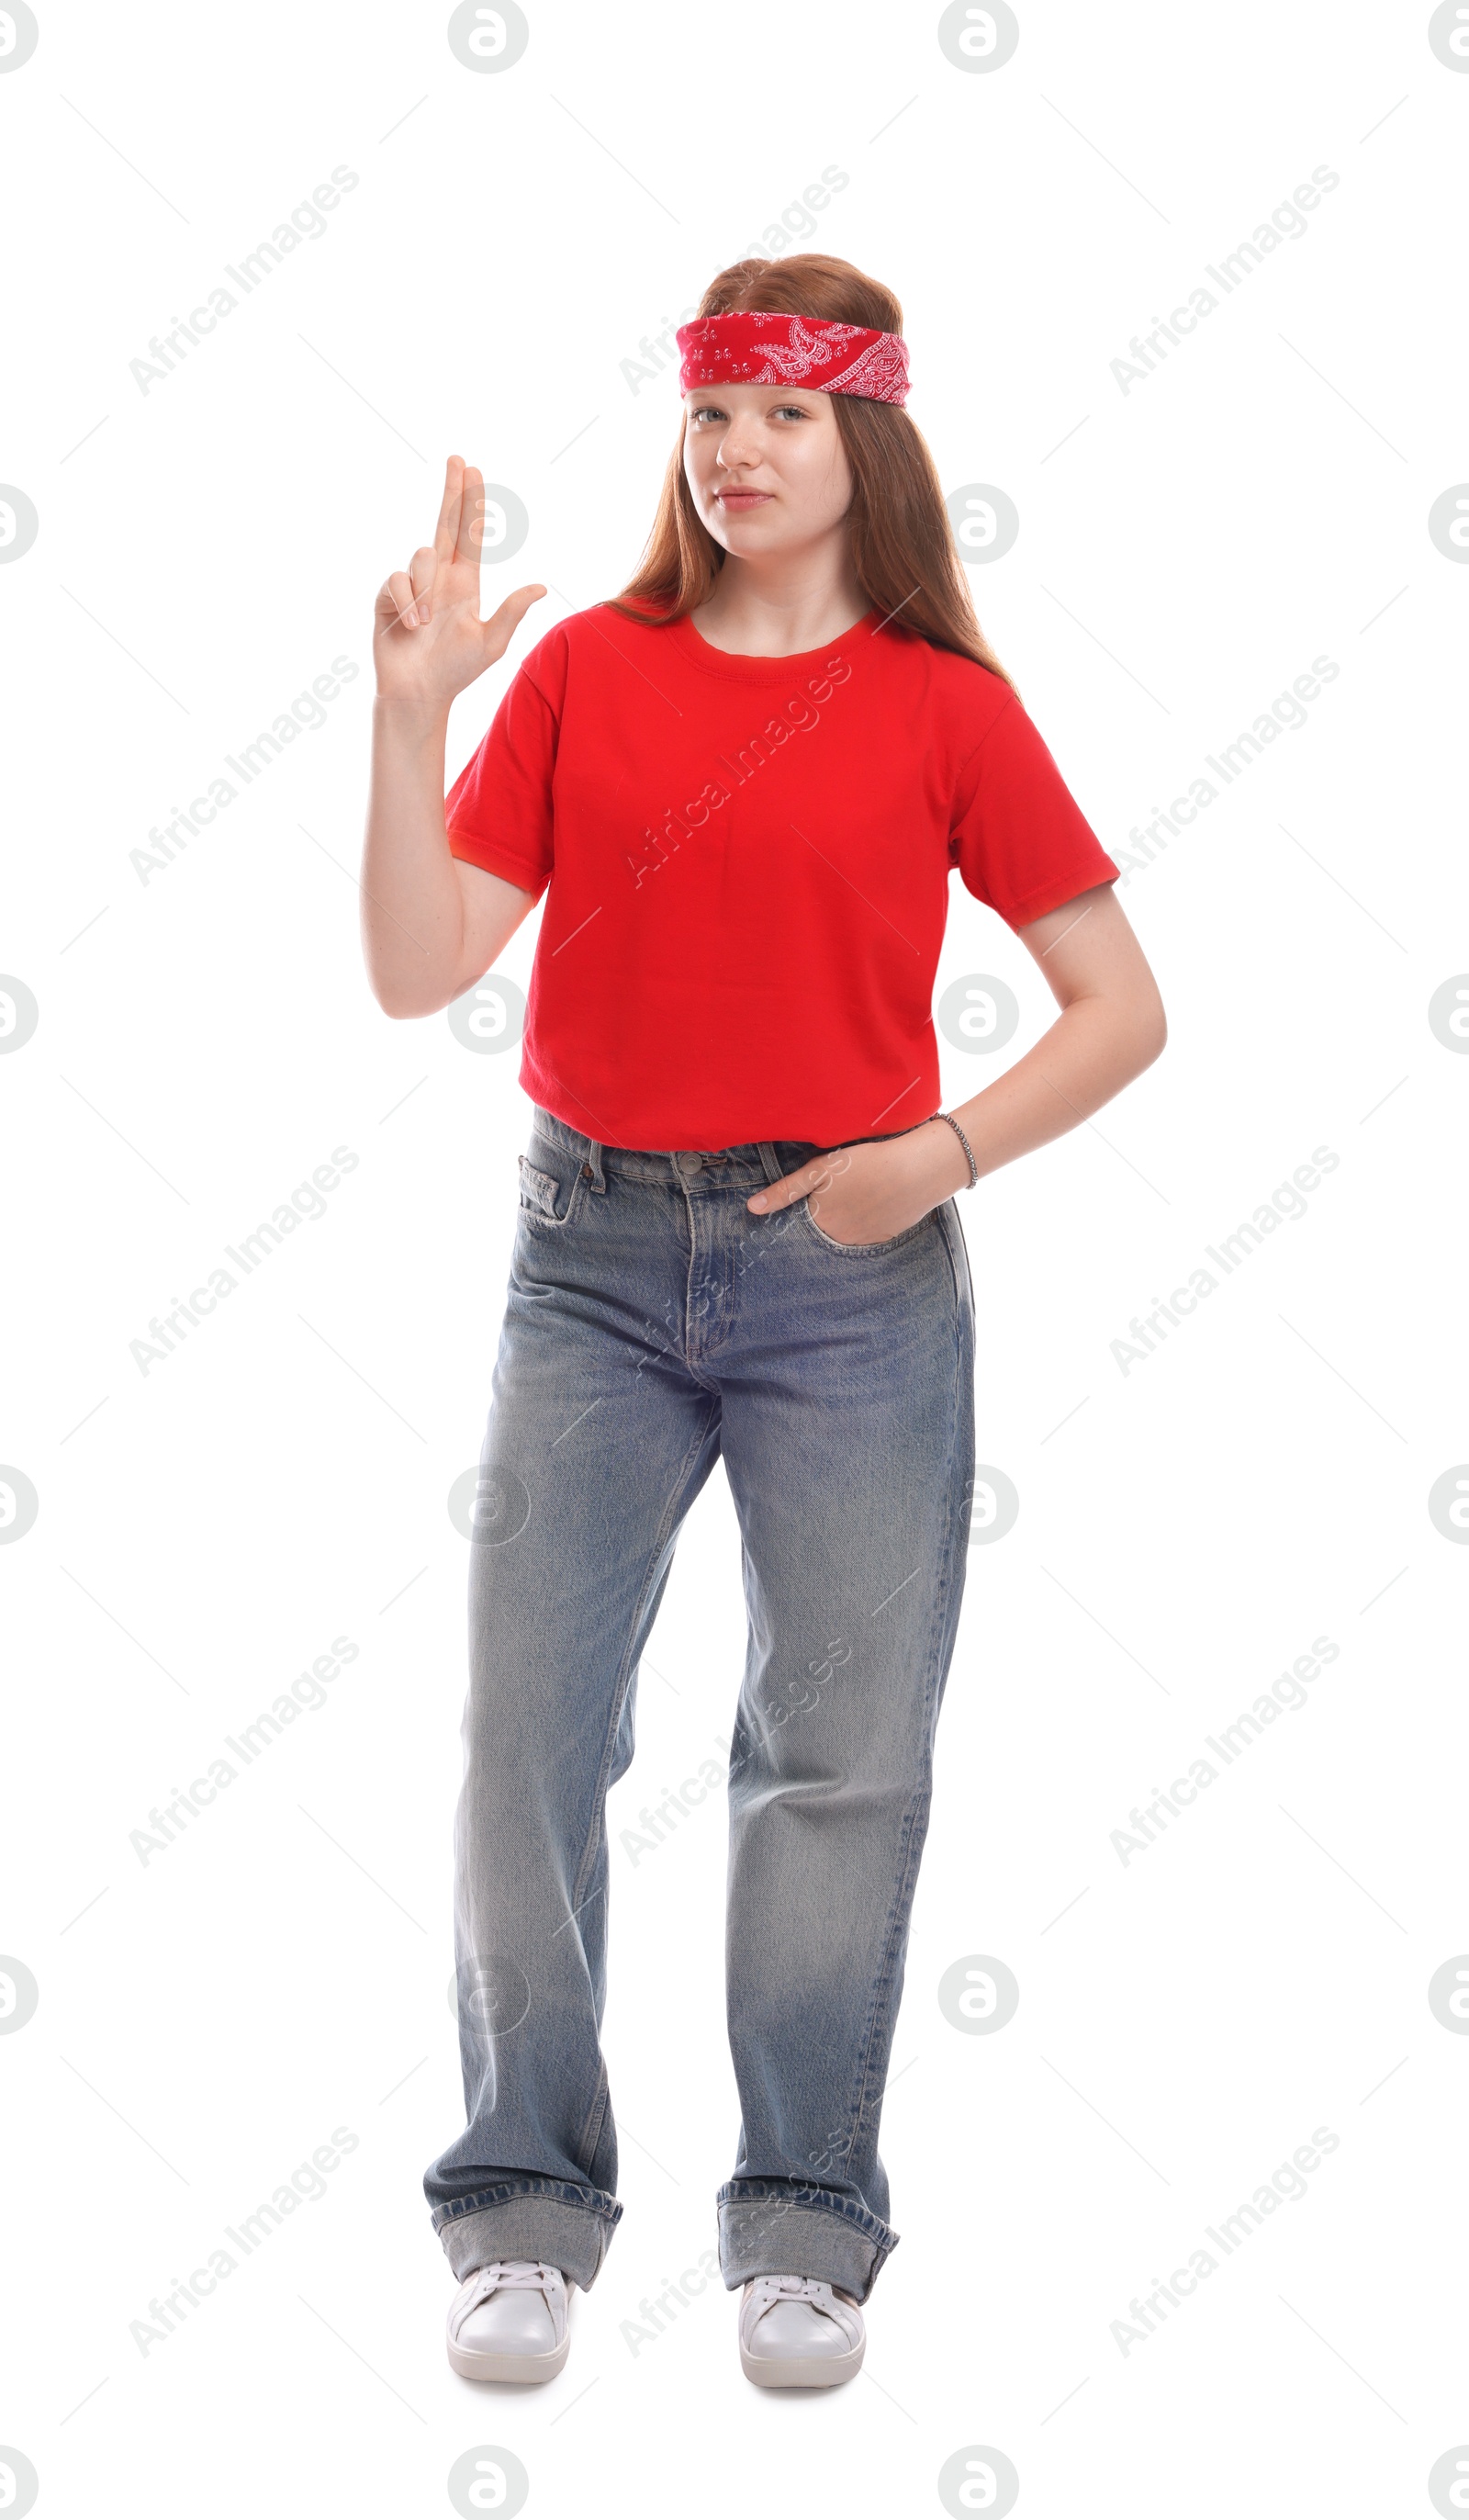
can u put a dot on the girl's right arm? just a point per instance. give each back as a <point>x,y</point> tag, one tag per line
<point>431,923</point>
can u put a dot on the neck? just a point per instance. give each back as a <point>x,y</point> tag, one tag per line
<point>780,608</point>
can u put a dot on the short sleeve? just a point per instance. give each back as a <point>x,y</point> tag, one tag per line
<point>1017,834</point>
<point>499,810</point>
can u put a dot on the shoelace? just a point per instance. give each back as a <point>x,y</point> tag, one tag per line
<point>770,2289</point>
<point>509,2274</point>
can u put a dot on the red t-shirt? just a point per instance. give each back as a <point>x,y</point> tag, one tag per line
<point>748,862</point>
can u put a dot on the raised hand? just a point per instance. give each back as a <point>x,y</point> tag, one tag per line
<point>428,641</point>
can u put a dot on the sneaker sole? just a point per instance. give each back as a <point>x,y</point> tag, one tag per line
<point>509,2366</point>
<point>802,2371</point>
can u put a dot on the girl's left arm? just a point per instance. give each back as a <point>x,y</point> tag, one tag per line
<point>1111,1028</point>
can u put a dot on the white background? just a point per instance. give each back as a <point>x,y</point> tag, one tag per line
<point>206,1038</point>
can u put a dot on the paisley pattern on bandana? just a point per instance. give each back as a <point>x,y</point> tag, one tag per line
<point>765,349</point>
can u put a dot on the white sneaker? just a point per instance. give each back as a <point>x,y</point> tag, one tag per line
<point>795,2333</point>
<point>507,2322</point>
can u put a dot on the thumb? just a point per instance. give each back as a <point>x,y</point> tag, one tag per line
<point>505,620</point>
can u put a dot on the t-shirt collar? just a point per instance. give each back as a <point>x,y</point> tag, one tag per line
<point>693,645</point>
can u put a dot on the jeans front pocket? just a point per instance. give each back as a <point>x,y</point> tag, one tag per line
<point>863,1251</point>
<point>551,1190</point>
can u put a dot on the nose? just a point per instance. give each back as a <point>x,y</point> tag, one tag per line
<point>736,448</point>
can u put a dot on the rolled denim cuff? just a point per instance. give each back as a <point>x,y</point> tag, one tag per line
<point>833,2243</point>
<point>529,2224</point>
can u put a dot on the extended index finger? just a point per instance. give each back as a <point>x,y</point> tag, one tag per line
<point>471,517</point>
<point>446,531</point>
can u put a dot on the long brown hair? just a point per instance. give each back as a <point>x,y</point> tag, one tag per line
<point>902,546</point>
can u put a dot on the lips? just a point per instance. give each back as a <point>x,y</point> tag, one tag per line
<point>742,498</point>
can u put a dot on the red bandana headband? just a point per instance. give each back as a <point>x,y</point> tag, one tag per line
<point>762,349</point>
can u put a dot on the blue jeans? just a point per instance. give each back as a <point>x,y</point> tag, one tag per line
<point>654,1322</point>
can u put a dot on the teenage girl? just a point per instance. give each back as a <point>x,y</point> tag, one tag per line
<point>740,788</point>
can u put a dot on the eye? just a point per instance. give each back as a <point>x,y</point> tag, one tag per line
<point>706,410</point>
<point>797,410</point>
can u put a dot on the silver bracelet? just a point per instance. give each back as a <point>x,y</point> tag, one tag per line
<point>965,1142</point>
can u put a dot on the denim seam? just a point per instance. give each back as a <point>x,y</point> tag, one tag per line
<point>694,1364</point>
<point>953,1225</point>
<point>710,1355</point>
<point>596,1830</point>
<point>506,2191</point>
<point>596,2116</point>
<point>882,1991</point>
<point>922,1797</point>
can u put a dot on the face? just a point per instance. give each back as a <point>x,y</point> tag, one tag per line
<point>766,465</point>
